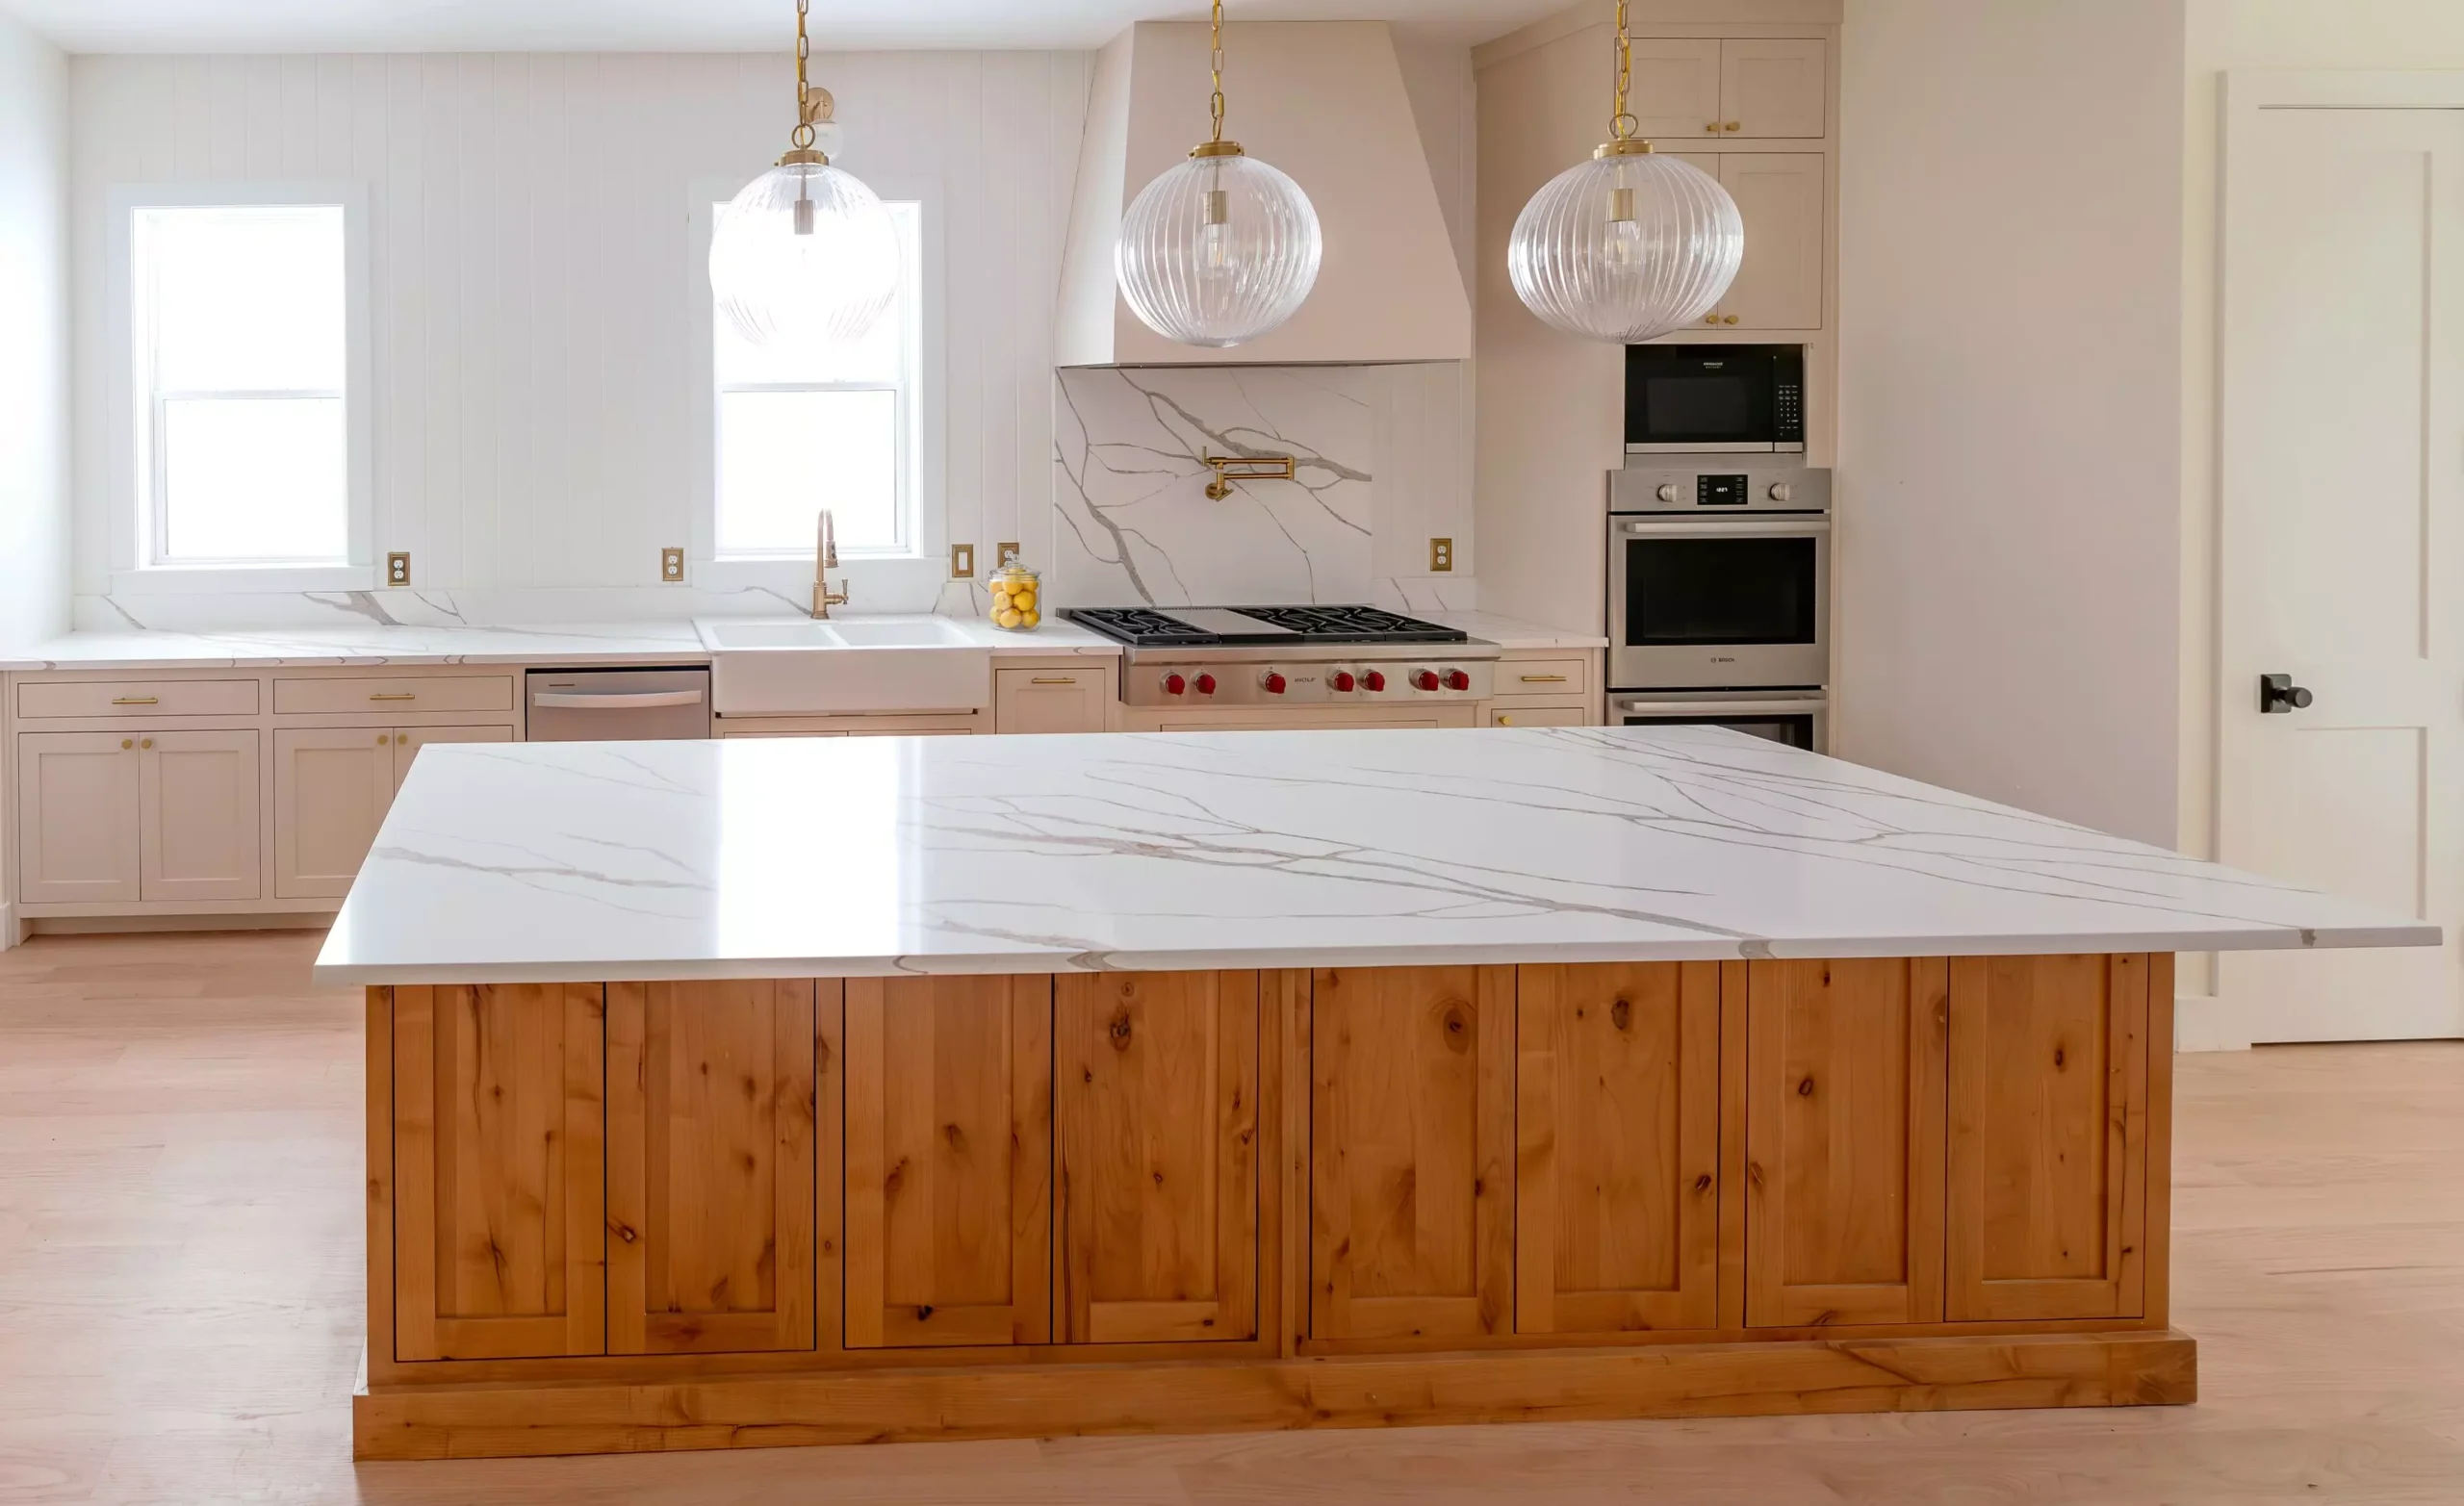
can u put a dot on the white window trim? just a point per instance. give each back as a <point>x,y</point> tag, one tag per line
<point>882,583</point>
<point>131,501</point>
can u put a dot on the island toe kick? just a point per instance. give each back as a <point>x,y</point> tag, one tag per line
<point>610,1217</point>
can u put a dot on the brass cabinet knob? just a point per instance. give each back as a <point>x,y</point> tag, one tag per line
<point>1712,125</point>
<point>128,742</point>
<point>380,739</point>
<point>1504,720</point>
<point>1710,319</point>
<point>1728,318</point>
<point>145,742</point>
<point>1734,124</point>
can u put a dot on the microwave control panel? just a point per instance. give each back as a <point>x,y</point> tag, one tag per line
<point>1717,485</point>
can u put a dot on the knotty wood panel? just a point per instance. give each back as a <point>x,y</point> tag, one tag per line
<point>1412,1152</point>
<point>711,1104</point>
<point>1156,1103</point>
<point>949,1161</point>
<point>2049,1137</point>
<point>500,1250</point>
<point>1617,1147</point>
<point>1845,1109</point>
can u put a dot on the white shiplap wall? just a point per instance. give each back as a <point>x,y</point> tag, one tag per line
<point>533,277</point>
<point>535,288</point>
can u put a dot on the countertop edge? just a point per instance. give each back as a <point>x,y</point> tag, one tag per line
<point>652,970</point>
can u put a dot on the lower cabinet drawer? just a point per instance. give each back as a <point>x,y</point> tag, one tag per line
<point>1542,677</point>
<point>394,694</point>
<point>149,697</point>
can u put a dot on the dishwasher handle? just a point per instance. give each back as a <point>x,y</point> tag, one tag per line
<point>622,701</point>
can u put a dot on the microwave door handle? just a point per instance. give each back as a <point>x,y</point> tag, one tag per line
<point>629,700</point>
<point>1697,528</point>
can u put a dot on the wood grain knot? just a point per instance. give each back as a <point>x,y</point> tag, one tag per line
<point>2059,1058</point>
<point>1702,1182</point>
<point>1458,1029</point>
<point>1805,1089</point>
<point>626,1232</point>
<point>954,1136</point>
<point>1118,1031</point>
<point>923,1310</point>
<point>1621,1015</point>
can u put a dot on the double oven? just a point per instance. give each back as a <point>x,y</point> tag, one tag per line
<point>1719,557</point>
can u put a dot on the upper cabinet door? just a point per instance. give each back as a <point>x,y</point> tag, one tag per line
<point>201,837</point>
<point>1156,1099</point>
<point>1771,87</point>
<point>949,1161</point>
<point>1843,1176</point>
<point>1780,196</point>
<point>330,791</point>
<point>1676,87</point>
<point>77,817</point>
<point>2048,1155</point>
<point>1411,1152</point>
<point>713,1103</point>
<point>1617,1129</point>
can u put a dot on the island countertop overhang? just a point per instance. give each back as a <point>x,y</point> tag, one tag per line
<point>883,856</point>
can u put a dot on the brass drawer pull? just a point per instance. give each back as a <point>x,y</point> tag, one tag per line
<point>1544,679</point>
<point>401,695</point>
<point>1054,680</point>
<point>136,700</point>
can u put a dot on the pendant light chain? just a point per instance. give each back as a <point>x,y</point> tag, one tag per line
<point>802,135</point>
<point>1622,126</point>
<point>1214,65</point>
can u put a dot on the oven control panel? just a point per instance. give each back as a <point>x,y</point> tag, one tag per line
<point>1719,484</point>
<point>1152,682</point>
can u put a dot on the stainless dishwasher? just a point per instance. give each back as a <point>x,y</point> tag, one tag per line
<point>618,705</point>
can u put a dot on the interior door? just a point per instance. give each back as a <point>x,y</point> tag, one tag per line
<point>2343,470</point>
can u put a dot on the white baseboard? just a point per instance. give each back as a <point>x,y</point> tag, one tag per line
<point>2203,1022</point>
<point>9,936</point>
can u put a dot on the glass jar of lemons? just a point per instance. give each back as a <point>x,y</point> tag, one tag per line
<point>1017,597</point>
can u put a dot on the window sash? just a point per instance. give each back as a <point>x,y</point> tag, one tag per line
<point>158,513</point>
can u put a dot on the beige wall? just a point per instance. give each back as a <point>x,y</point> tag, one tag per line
<point>34,349</point>
<point>2008,473</point>
<point>2249,34</point>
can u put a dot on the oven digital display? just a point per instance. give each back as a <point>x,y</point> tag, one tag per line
<point>1719,491</point>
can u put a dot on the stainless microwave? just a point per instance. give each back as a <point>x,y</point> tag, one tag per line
<point>1716,400</point>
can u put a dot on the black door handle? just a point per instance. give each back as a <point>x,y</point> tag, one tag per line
<point>2277,693</point>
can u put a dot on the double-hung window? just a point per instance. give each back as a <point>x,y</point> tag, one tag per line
<point>240,314</point>
<point>808,424</point>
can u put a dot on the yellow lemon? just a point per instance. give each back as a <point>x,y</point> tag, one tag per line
<point>1010,618</point>
<point>1029,617</point>
<point>1023,600</point>
<point>1001,602</point>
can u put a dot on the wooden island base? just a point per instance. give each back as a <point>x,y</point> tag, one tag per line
<point>651,1216</point>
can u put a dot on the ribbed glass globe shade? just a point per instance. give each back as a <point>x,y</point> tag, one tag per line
<point>1217,251</point>
<point>804,247</point>
<point>1626,247</point>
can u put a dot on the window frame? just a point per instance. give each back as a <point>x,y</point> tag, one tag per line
<point>891,578</point>
<point>134,428</point>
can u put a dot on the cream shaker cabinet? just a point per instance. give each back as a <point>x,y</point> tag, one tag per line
<point>115,818</point>
<point>1780,196</point>
<point>1756,88</point>
<point>1051,700</point>
<point>331,788</point>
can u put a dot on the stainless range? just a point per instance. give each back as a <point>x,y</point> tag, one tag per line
<point>1340,657</point>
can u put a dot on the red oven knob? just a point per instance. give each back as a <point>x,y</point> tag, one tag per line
<point>1375,680</point>
<point>1424,679</point>
<point>1273,681</point>
<point>1456,679</point>
<point>1206,684</point>
<point>1173,684</point>
<point>1342,681</point>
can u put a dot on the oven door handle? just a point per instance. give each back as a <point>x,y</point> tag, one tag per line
<point>1694,527</point>
<point>1720,708</point>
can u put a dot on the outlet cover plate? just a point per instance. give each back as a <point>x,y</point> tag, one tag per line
<point>397,568</point>
<point>671,566</point>
<point>962,562</point>
<point>1441,556</point>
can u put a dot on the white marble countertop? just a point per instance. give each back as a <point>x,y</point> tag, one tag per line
<point>376,644</point>
<point>881,856</point>
<point>1509,632</point>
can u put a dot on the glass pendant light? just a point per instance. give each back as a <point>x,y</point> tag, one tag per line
<point>1629,245</point>
<point>1221,248</point>
<point>806,248</point>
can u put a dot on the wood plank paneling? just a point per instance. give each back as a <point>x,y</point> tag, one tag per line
<point>499,1244</point>
<point>1156,1103</point>
<point>1617,1128</point>
<point>1844,1142</point>
<point>711,1103</point>
<point>948,1162</point>
<point>2049,1137</point>
<point>1412,1152</point>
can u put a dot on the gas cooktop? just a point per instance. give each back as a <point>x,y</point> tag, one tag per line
<point>1257,626</point>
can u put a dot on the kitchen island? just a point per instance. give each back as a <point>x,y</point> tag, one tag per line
<point>726,1094</point>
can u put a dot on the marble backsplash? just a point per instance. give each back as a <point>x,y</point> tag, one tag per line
<point>1133,523</point>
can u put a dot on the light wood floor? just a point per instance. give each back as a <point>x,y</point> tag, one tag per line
<point>180,1304</point>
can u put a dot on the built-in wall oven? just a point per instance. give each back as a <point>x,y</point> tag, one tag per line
<point>1796,717</point>
<point>1719,577</point>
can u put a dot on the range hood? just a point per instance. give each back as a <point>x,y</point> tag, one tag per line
<point>1324,101</point>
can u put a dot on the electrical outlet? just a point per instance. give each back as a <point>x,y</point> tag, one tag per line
<point>1005,554</point>
<point>671,566</point>
<point>962,562</point>
<point>1441,556</point>
<point>398,568</point>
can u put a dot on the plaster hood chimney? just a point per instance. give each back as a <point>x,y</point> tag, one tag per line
<point>1324,101</point>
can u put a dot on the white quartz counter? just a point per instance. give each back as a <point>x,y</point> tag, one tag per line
<point>877,856</point>
<point>373,644</point>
